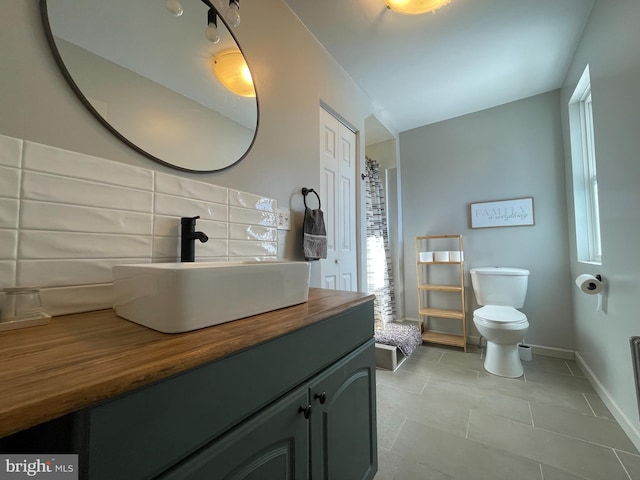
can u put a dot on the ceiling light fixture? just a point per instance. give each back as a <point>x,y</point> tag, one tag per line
<point>415,7</point>
<point>232,71</point>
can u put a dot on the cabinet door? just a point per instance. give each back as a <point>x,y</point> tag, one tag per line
<point>343,420</point>
<point>272,445</point>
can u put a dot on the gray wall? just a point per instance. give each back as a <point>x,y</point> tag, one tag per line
<point>610,46</point>
<point>292,71</point>
<point>510,151</point>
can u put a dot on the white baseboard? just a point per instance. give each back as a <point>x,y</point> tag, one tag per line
<point>563,353</point>
<point>621,418</point>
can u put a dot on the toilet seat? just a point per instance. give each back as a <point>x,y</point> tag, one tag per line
<point>499,316</point>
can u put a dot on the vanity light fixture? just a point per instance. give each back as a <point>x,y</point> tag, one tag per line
<point>230,68</point>
<point>175,7</point>
<point>232,15</point>
<point>415,7</point>
<point>212,27</point>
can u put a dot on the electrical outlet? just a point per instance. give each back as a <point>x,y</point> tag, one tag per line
<point>284,219</point>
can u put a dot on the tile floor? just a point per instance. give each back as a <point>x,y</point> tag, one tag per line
<point>441,416</point>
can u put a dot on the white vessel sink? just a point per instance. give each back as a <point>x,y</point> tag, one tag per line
<point>179,297</point>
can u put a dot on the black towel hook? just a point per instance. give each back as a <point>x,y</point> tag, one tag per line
<point>306,191</point>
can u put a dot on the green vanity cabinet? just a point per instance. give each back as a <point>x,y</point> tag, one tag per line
<point>299,406</point>
<point>343,419</point>
<point>272,445</point>
<point>324,429</point>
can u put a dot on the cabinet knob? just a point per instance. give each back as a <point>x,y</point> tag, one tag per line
<point>321,396</point>
<point>305,410</point>
<point>336,261</point>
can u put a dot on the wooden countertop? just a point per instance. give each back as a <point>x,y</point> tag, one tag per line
<point>78,360</point>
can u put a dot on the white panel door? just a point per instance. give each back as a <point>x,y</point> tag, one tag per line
<point>338,196</point>
<point>347,210</point>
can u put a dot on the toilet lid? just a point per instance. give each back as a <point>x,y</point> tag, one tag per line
<point>500,314</point>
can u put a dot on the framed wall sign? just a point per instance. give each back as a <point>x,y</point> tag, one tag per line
<point>503,213</point>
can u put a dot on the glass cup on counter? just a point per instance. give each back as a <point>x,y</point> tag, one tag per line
<point>21,303</point>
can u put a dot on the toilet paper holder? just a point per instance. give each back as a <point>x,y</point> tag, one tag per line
<point>592,286</point>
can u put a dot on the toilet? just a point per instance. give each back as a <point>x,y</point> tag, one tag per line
<point>500,291</point>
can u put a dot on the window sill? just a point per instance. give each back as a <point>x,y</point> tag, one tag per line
<point>590,262</point>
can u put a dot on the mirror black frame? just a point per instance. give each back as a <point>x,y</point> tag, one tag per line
<point>78,92</point>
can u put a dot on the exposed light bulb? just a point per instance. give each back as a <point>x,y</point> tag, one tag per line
<point>233,14</point>
<point>212,33</point>
<point>175,7</point>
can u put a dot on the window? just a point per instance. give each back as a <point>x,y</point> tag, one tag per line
<point>585,180</point>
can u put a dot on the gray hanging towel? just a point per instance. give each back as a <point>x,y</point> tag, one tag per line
<point>315,235</point>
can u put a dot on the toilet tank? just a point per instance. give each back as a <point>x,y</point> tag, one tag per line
<point>500,285</point>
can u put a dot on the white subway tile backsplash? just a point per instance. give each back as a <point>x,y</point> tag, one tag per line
<point>238,231</point>
<point>7,273</point>
<point>73,218</point>
<point>166,248</point>
<point>36,244</point>
<point>53,188</point>
<point>249,200</point>
<point>166,226</point>
<point>169,247</point>
<point>10,151</point>
<point>213,248</point>
<point>82,298</point>
<point>9,208</point>
<point>255,217</point>
<point>44,158</point>
<point>213,229</point>
<point>183,207</point>
<point>242,248</point>
<point>9,182</point>
<point>66,218</point>
<point>57,273</point>
<point>170,227</point>
<point>190,189</point>
<point>8,244</point>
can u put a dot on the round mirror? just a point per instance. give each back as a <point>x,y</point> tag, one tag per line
<point>150,78</point>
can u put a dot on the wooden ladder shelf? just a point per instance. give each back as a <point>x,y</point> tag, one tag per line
<point>445,283</point>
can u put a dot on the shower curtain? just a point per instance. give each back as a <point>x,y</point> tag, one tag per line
<point>379,274</point>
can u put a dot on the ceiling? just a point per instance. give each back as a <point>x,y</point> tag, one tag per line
<point>468,56</point>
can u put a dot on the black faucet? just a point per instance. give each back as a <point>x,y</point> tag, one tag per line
<point>188,236</point>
